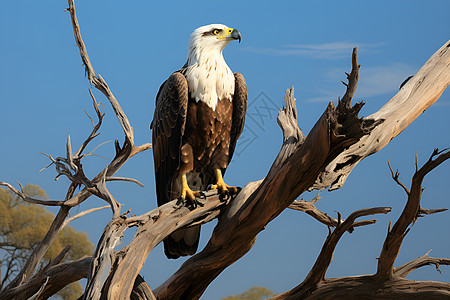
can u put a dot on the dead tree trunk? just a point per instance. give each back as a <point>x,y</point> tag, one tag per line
<point>388,282</point>
<point>324,158</point>
<point>338,141</point>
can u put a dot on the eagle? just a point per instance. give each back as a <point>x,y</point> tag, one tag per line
<point>199,116</point>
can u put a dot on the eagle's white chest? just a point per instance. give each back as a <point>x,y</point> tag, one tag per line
<point>210,80</point>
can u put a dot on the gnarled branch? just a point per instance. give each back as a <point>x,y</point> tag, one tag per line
<point>294,170</point>
<point>396,235</point>
<point>123,267</point>
<point>405,269</point>
<point>419,93</point>
<point>309,208</point>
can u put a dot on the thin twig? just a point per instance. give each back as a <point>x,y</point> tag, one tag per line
<point>424,211</point>
<point>97,126</point>
<point>83,213</point>
<point>396,178</point>
<point>309,208</point>
<point>125,179</point>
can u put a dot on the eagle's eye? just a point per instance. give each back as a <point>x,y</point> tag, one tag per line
<point>216,31</point>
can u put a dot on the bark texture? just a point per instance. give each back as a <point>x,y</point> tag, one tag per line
<point>322,159</point>
<point>338,141</point>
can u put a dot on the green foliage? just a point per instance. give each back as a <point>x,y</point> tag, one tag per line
<point>254,293</point>
<point>23,225</point>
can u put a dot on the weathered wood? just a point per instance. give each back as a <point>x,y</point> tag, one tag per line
<point>309,208</point>
<point>294,170</point>
<point>418,94</point>
<point>395,236</point>
<point>36,256</point>
<point>56,278</point>
<point>338,139</point>
<point>71,167</point>
<point>405,269</point>
<point>123,267</point>
<point>365,287</point>
<point>387,283</point>
<point>325,257</point>
<point>141,290</point>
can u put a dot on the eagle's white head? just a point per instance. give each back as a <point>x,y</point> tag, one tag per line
<point>209,77</point>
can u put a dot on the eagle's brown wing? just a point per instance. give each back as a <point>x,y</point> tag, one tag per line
<point>168,127</point>
<point>239,111</point>
<point>167,131</point>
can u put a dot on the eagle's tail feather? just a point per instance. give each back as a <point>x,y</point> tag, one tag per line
<point>182,242</point>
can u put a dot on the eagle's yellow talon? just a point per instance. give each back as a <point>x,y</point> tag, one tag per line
<point>222,186</point>
<point>187,193</point>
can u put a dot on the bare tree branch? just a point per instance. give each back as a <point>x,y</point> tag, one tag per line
<point>366,287</point>
<point>91,186</point>
<point>405,269</point>
<point>141,290</point>
<point>58,277</point>
<point>38,253</point>
<point>338,141</point>
<point>309,208</point>
<point>424,211</point>
<point>125,179</point>
<point>83,213</point>
<point>123,267</point>
<point>324,152</point>
<point>97,126</point>
<point>323,261</point>
<point>419,93</point>
<point>294,170</point>
<point>98,81</point>
<point>29,199</point>
<point>396,178</point>
<point>395,236</point>
<point>317,272</point>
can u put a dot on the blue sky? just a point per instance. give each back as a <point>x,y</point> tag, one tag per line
<point>136,45</point>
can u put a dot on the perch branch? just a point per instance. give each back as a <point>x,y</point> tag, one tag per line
<point>294,170</point>
<point>154,226</point>
<point>325,157</point>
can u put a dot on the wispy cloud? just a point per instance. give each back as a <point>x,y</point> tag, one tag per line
<point>383,79</point>
<point>373,81</point>
<point>332,50</point>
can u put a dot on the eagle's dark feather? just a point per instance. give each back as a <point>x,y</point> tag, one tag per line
<point>190,137</point>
